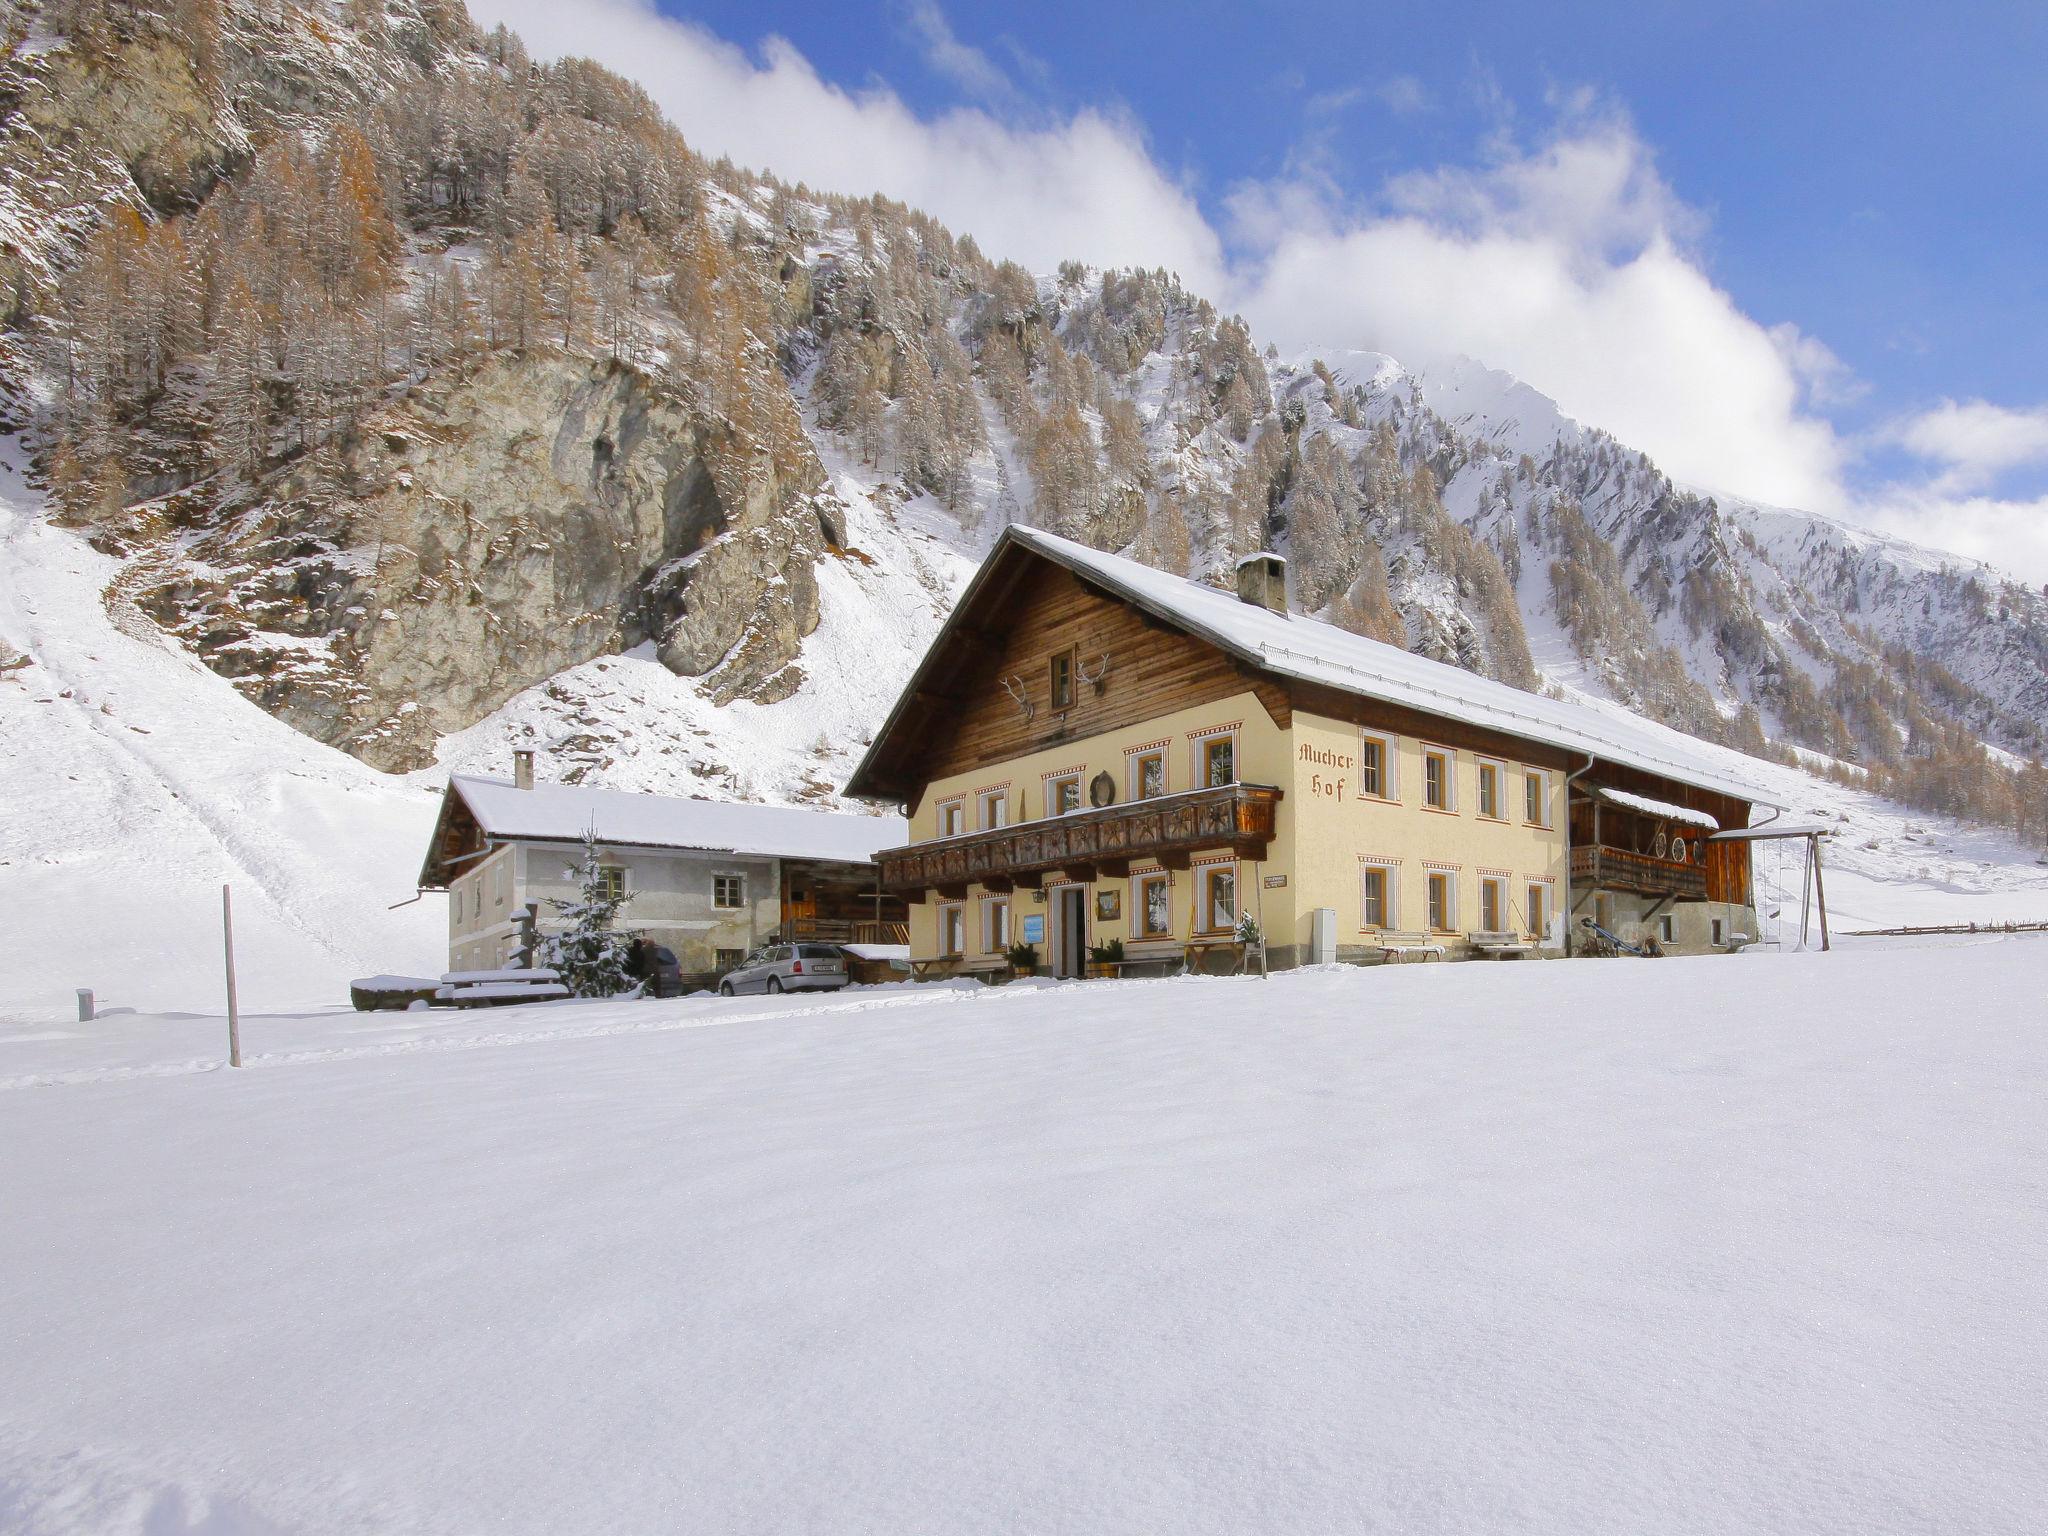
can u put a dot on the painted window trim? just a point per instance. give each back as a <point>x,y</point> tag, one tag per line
<point>1136,922</point>
<point>1053,781</point>
<point>1390,759</point>
<point>939,809</point>
<point>990,944</point>
<point>1450,874</point>
<point>1198,750</point>
<point>1391,893</point>
<point>1204,870</point>
<point>1541,776</point>
<point>1450,757</point>
<point>1502,882</point>
<point>982,796</point>
<point>1500,789</point>
<point>1548,886</point>
<point>958,909</point>
<point>1134,756</point>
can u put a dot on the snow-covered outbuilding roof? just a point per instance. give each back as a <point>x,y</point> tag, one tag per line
<point>1294,645</point>
<point>562,813</point>
<point>1663,810</point>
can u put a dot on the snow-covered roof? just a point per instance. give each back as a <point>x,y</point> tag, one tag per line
<point>563,812</point>
<point>1295,645</point>
<point>1663,810</point>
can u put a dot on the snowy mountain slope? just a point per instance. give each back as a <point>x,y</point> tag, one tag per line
<point>135,782</point>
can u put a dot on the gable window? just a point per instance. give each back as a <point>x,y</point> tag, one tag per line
<point>1539,908</point>
<point>952,818</point>
<point>995,808</point>
<point>1376,767</point>
<point>1443,900</point>
<point>1062,680</point>
<point>1154,906</point>
<point>1375,896</point>
<point>1219,898</point>
<point>729,891</point>
<point>1436,779</point>
<point>1148,774</point>
<point>1493,901</point>
<point>1490,776</point>
<point>1536,797</point>
<point>952,930</point>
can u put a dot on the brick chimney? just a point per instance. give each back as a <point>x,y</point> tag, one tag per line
<point>522,767</point>
<point>1262,581</point>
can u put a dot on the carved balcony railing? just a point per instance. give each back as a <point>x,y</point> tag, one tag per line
<point>1086,844</point>
<point>1617,869</point>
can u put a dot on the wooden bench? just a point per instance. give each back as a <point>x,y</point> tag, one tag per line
<point>1147,952</point>
<point>1392,946</point>
<point>938,967</point>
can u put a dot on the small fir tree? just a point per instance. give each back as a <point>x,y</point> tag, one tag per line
<point>590,953</point>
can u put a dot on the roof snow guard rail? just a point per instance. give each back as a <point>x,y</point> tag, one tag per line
<point>1684,772</point>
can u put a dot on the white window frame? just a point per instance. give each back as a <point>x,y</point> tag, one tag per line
<point>952,914</point>
<point>1498,884</point>
<point>1390,755</point>
<point>1667,928</point>
<point>1449,755</point>
<point>1198,755</point>
<point>945,808</point>
<point>1053,785</point>
<point>1205,875</point>
<point>1163,753</point>
<point>1541,778</point>
<point>993,943</point>
<point>1430,875</point>
<point>1529,888</point>
<point>729,874</point>
<point>1139,880</point>
<point>1390,899</point>
<point>997,795</point>
<point>1480,765</point>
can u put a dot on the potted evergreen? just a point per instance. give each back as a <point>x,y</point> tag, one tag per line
<point>1023,959</point>
<point>1103,959</point>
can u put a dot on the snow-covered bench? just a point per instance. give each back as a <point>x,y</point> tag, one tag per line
<point>1393,945</point>
<point>487,989</point>
<point>1501,946</point>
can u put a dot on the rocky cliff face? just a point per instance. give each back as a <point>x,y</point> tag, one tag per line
<point>486,532</point>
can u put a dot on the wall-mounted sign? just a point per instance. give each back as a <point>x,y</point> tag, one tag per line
<point>1034,927</point>
<point>1275,882</point>
<point>1109,905</point>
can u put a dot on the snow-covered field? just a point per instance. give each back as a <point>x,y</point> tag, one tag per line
<point>1743,1244</point>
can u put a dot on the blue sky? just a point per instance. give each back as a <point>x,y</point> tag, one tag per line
<point>1791,250</point>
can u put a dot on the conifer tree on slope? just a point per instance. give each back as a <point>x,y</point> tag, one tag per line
<point>590,953</point>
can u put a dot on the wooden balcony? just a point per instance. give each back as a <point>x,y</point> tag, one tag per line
<point>1087,844</point>
<point>1617,869</point>
<point>828,930</point>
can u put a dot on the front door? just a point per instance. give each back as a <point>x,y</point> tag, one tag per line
<point>1070,931</point>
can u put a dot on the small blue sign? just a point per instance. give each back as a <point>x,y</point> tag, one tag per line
<point>1034,927</point>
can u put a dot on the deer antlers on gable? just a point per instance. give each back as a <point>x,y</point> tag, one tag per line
<point>1014,687</point>
<point>1094,679</point>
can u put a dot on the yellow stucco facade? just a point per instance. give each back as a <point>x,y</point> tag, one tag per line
<point>1353,801</point>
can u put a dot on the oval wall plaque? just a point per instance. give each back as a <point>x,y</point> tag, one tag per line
<point>1102,789</point>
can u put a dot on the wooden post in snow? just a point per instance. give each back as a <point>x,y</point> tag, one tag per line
<point>1820,893</point>
<point>227,934</point>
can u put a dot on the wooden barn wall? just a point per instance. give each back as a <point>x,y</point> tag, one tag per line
<point>1727,864</point>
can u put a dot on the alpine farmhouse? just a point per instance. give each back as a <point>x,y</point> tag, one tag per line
<point>1094,750</point>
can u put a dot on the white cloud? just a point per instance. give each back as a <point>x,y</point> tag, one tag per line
<point>1570,263</point>
<point>1404,96</point>
<point>1975,440</point>
<point>1083,187</point>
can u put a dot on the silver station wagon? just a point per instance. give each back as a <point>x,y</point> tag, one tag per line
<point>787,968</point>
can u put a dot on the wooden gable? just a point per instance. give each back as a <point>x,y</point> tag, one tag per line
<point>959,714</point>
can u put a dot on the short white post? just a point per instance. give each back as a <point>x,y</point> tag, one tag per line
<point>85,1005</point>
<point>227,933</point>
